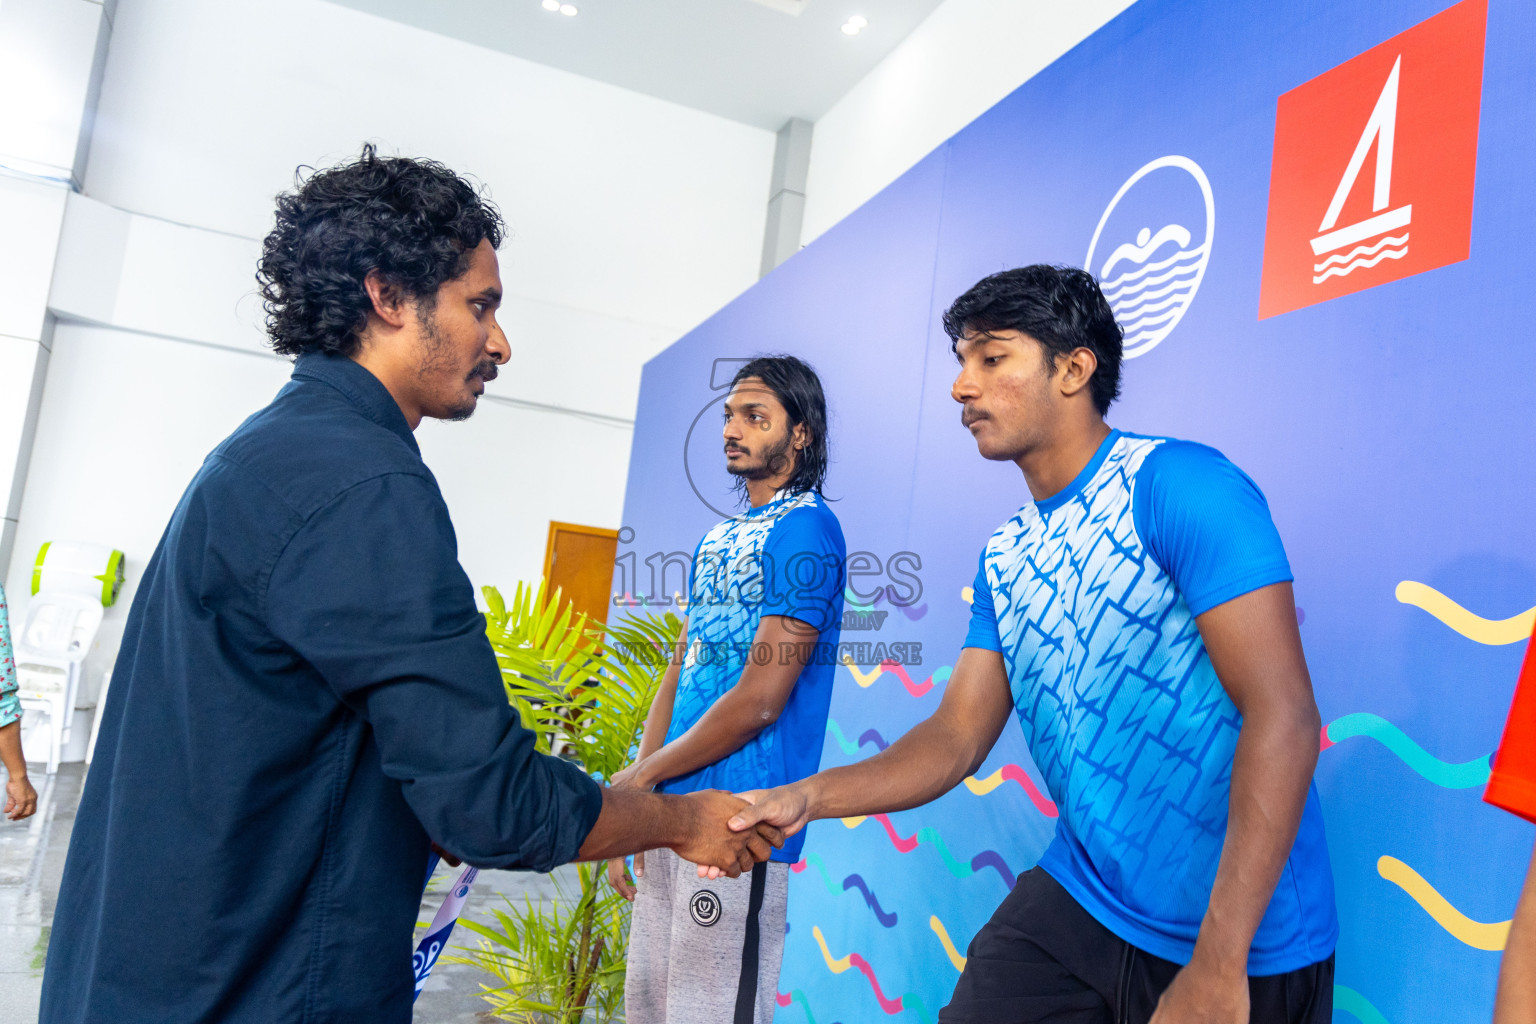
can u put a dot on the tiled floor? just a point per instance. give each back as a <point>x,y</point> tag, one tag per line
<point>32,861</point>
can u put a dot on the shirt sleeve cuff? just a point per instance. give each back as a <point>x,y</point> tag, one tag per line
<point>983,641</point>
<point>1269,575</point>
<point>1517,796</point>
<point>588,805</point>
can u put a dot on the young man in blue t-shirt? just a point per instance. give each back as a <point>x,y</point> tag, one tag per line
<point>1137,617</point>
<point>742,706</point>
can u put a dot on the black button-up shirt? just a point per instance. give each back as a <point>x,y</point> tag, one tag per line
<point>304,695</point>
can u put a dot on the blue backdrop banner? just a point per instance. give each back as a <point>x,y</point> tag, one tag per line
<point>1309,217</point>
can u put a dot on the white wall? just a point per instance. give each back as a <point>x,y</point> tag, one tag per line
<point>49,55</point>
<point>630,220</point>
<point>31,215</point>
<point>962,59</point>
<point>508,471</point>
<point>619,204</point>
<point>50,59</point>
<point>126,420</point>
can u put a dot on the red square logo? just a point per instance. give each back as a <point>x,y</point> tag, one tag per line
<point>1374,165</point>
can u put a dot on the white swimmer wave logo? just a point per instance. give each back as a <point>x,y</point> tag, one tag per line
<point>1148,285</point>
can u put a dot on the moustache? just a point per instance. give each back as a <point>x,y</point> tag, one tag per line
<point>970,416</point>
<point>736,448</point>
<point>485,371</point>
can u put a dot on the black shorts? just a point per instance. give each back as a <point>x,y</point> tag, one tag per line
<point>1043,957</point>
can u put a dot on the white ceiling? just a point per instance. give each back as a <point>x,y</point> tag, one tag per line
<point>742,59</point>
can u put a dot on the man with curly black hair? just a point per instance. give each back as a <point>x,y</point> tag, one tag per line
<point>305,699</point>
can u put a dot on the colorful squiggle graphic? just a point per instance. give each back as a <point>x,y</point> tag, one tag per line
<point>980,787</point>
<point>837,965</point>
<point>814,860</point>
<point>949,946</point>
<point>959,869</point>
<point>1013,773</point>
<point>1344,997</point>
<point>910,1002</point>
<point>1476,934</point>
<point>852,602</point>
<point>886,918</point>
<point>840,964</point>
<point>873,736</point>
<point>1355,1004</point>
<point>796,996</point>
<point>1444,774</point>
<point>1493,632</point>
<point>851,747</point>
<point>867,679</point>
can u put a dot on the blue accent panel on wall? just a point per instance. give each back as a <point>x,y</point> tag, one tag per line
<point>1390,428</point>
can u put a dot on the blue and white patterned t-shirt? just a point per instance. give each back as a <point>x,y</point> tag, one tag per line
<point>1091,596</point>
<point>786,557</point>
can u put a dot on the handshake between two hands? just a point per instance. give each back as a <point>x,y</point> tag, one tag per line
<point>730,835</point>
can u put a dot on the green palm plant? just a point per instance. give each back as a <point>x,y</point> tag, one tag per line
<point>584,693</point>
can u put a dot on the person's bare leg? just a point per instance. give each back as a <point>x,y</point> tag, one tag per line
<point>1516,1002</point>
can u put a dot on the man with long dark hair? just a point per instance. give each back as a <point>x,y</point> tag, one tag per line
<point>742,706</point>
<point>305,698</point>
<point>1137,617</point>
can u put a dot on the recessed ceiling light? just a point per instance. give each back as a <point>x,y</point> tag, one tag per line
<point>854,25</point>
<point>552,5</point>
<point>569,10</point>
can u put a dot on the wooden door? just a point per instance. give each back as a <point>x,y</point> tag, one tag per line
<point>579,560</point>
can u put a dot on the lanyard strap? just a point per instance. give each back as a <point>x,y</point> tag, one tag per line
<point>431,946</point>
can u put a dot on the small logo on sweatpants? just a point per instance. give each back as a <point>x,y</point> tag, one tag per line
<point>704,908</point>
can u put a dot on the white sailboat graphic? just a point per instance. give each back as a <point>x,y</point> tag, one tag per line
<point>1381,129</point>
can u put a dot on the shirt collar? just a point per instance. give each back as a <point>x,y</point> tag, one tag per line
<point>781,494</point>
<point>1080,481</point>
<point>360,387</point>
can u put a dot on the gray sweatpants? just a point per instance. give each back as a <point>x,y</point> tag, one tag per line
<point>702,951</point>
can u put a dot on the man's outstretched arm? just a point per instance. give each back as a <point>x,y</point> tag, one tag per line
<point>693,825</point>
<point>1255,648</point>
<point>420,672</point>
<point>925,763</point>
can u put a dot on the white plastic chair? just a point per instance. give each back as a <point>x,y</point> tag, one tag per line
<point>53,641</point>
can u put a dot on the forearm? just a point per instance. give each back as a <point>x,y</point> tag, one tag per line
<point>725,728</point>
<point>659,718</point>
<point>932,757</point>
<point>1271,773</point>
<point>736,716</point>
<point>921,766</point>
<point>1516,1002</point>
<point>10,750</point>
<point>634,820</point>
